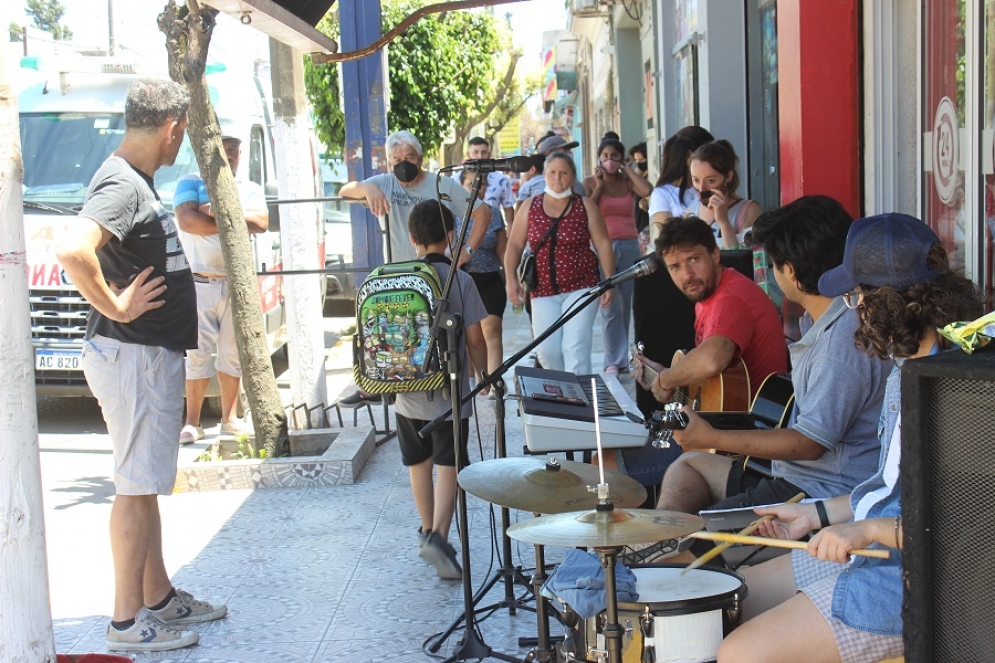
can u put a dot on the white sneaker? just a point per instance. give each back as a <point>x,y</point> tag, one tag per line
<point>148,634</point>
<point>185,609</point>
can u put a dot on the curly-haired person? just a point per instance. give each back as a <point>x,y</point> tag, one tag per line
<point>896,273</point>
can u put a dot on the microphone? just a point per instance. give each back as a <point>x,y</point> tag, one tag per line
<point>643,267</point>
<point>512,164</point>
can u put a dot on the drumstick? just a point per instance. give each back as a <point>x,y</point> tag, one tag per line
<point>778,543</point>
<point>749,529</point>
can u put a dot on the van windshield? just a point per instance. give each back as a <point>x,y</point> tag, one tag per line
<point>62,151</point>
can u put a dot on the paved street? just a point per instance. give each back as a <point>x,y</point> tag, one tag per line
<point>309,574</point>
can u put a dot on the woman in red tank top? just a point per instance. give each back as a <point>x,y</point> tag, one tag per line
<point>565,263</point>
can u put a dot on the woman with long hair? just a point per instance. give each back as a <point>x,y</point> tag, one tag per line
<point>611,188</point>
<point>663,318</point>
<point>560,227</point>
<point>714,177</point>
<point>827,607</point>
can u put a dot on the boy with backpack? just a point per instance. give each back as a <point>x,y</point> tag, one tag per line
<point>430,227</point>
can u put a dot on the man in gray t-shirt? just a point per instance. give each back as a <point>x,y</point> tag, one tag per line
<point>124,255</point>
<point>394,194</point>
<point>830,444</point>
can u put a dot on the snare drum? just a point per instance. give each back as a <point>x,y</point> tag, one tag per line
<point>682,619</point>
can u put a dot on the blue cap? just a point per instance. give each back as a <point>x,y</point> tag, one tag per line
<point>887,249</point>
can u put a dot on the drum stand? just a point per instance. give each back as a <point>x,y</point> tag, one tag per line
<point>543,651</point>
<point>612,629</point>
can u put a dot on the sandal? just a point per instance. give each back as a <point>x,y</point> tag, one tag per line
<point>190,434</point>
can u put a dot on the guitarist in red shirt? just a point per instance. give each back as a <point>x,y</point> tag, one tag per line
<point>736,324</point>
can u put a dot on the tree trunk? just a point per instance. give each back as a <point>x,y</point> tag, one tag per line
<point>188,36</point>
<point>25,617</point>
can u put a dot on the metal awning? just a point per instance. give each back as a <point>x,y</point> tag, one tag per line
<point>289,21</point>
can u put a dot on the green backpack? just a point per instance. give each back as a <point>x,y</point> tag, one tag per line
<point>393,329</point>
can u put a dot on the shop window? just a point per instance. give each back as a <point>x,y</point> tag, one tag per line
<point>946,192</point>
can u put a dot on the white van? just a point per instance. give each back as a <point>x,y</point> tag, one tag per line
<point>69,125</point>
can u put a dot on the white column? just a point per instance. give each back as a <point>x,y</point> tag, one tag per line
<point>299,226</point>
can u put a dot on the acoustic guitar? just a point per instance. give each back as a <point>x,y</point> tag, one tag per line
<point>728,391</point>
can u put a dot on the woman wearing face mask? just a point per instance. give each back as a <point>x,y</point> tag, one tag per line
<point>611,189</point>
<point>714,177</point>
<point>393,194</point>
<point>663,317</point>
<point>637,159</point>
<point>565,265</point>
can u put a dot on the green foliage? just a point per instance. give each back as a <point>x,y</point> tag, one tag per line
<point>16,33</point>
<point>441,70</point>
<point>47,16</point>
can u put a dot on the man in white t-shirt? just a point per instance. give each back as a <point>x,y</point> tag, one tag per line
<point>202,244</point>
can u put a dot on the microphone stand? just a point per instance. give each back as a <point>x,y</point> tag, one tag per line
<point>472,638</point>
<point>472,645</point>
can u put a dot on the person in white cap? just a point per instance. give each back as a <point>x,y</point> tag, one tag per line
<point>215,330</point>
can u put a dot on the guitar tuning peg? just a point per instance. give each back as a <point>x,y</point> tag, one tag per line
<point>662,439</point>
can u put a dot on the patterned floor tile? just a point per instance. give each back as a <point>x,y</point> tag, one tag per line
<point>403,607</point>
<point>68,632</point>
<point>275,613</point>
<point>284,652</point>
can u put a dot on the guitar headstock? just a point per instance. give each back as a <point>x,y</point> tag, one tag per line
<point>663,423</point>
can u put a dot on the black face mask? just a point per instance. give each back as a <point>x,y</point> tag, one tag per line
<point>405,171</point>
<point>642,165</point>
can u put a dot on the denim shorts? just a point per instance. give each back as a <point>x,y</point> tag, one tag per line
<point>647,464</point>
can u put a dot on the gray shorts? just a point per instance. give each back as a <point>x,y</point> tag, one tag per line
<point>817,580</point>
<point>215,331</point>
<point>140,391</point>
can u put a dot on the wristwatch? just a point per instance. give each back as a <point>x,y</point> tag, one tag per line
<point>469,249</point>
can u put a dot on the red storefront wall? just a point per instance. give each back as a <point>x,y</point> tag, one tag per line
<point>819,99</point>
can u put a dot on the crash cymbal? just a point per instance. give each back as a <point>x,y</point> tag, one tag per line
<point>605,529</point>
<point>546,486</point>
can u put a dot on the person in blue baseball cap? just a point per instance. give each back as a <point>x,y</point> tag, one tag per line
<point>833,607</point>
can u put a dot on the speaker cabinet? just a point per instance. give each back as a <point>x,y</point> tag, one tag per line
<point>948,507</point>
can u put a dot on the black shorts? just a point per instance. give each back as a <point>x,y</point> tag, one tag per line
<point>439,445</point>
<point>745,488</point>
<point>490,286</point>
